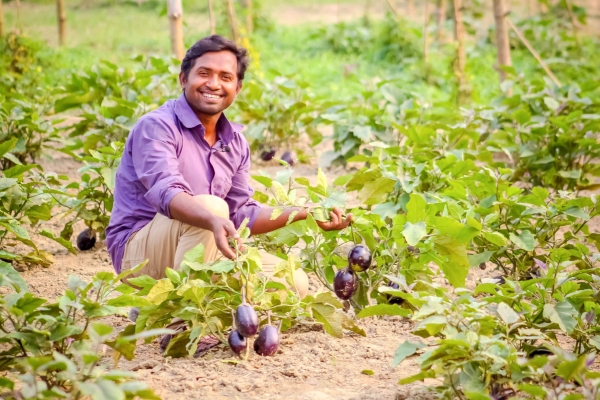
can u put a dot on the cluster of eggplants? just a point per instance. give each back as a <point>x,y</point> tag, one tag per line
<point>345,282</point>
<point>246,322</point>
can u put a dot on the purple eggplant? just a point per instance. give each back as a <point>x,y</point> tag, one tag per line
<point>268,154</point>
<point>86,239</point>
<point>267,342</point>
<point>246,320</point>
<point>345,283</point>
<point>237,342</point>
<point>359,258</point>
<point>394,299</point>
<point>288,158</point>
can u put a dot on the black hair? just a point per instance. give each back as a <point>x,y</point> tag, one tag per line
<point>215,43</point>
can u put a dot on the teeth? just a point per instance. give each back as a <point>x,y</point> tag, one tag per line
<point>210,96</point>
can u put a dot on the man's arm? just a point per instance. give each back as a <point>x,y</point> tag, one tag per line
<point>264,224</point>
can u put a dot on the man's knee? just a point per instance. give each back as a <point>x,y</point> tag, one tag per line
<point>214,204</point>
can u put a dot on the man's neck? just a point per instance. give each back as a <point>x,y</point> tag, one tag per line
<point>210,127</point>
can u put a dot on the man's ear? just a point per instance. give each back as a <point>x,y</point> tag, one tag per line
<point>182,80</point>
<point>239,87</point>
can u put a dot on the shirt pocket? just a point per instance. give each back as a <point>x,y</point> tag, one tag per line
<point>221,186</point>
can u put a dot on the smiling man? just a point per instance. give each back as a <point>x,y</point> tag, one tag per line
<point>183,177</point>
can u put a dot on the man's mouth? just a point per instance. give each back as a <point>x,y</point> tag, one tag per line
<point>211,96</point>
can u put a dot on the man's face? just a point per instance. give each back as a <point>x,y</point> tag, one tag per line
<point>212,83</point>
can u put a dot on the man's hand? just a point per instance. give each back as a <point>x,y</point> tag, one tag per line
<point>223,229</point>
<point>337,222</point>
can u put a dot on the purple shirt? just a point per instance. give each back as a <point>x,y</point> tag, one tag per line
<point>165,154</point>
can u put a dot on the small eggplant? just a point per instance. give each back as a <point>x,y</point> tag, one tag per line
<point>246,320</point>
<point>237,342</point>
<point>359,258</point>
<point>267,342</point>
<point>86,239</point>
<point>345,283</point>
<point>288,158</point>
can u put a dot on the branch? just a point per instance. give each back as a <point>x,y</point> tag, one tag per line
<point>533,52</point>
<point>393,8</point>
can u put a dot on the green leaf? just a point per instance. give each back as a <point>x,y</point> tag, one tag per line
<point>101,390</point>
<point>11,278</point>
<point>406,349</point>
<point>455,274</point>
<point>321,183</point>
<point>65,243</point>
<point>331,320</point>
<point>508,315</point>
<point>577,212</point>
<point>496,238</point>
<point>367,372</point>
<point>570,369</point>
<point>525,240</point>
<point>551,103</point>
<point>160,292</point>
<point>413,233</point>
<point>375,192</point>
<point>383,309</point>
<point>7,383</point>
<point>476,259</point>
<point>562,314</point>
<point>416,209</point>
<point>7,146</point>
<point>417,377</point>
<point>534,390</point>
<point>18,170</point>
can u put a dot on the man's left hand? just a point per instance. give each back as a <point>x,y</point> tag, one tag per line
<point>337,222</point>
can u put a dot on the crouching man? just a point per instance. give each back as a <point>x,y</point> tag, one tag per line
<point>183,177</point>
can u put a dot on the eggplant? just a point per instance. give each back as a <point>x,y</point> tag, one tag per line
<point>359,258</point>
<point>246,320</point>
<point>267,342</point>
<point>413,250</point>
<point>394,299</point>
<point>288,158</point>
<point>237,342</point>
<point>268,154</point>
<point>86,239</point>
<point>345,283</point>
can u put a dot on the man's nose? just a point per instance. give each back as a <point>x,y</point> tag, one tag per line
<point>213,83</point>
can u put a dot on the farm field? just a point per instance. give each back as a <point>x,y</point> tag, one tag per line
<point>465,147</point>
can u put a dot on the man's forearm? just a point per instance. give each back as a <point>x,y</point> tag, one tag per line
<point>184,208</point>
<point>264,224</point>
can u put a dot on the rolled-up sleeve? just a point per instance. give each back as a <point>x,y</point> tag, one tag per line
<point>239,198</point>
<point>154,155</point>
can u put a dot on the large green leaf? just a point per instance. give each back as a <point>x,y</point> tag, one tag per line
<point>416,209</point>
<point>406,349</point>
<point>413,233</point>
<point>160,292</point>
<point>383,309</point>
<point>562,314</point>
<point>508,315</point>
<point>331,320</point>
<point>375,192</point>
<point>525,240</point>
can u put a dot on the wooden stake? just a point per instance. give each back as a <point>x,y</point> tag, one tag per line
<point>411,8</point>
<point>533,52</point>
<point>62,19</point>
<point>425,30</point>
<point>441,19</point>
<point>393,8</point>
<point>249,16</point>
<point>459,36</point>
<point>175,13</point>
<point>502,38</point>
<point>1,20</point>
<point>573,22</point>
<point>19,26</point>
<point>232,21</point>
<point>211,14</point>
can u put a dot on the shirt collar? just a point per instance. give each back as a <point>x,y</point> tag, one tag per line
<point>185,114</point>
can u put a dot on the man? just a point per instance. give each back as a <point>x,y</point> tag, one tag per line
<point>183,177</point>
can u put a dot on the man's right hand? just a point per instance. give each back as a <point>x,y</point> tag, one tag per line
<point>223,229</point>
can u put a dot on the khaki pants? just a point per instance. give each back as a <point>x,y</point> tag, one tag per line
<point>164,242</point>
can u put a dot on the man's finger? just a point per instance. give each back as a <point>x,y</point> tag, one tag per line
<point>231,232</point>
<point>335,220</point>
<point>223,246</point>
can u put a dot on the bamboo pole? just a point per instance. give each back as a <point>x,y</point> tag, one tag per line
<point>249,16</point>
<point>573,22</point>
<point>393,8</point>
<point>459,36</point>
<point>441,19</point>
<point>533,52</point>
<point>211,14</point>
<point>232,21</point>
<point>19,26</point>
<point>425,30</point>
<point>411,8</point>
<point>1,20</point>
<point>62,19</point>
<point>502,38</point>
<point>175,13</point>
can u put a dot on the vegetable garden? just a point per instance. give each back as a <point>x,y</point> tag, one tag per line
<point>461,135</point>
